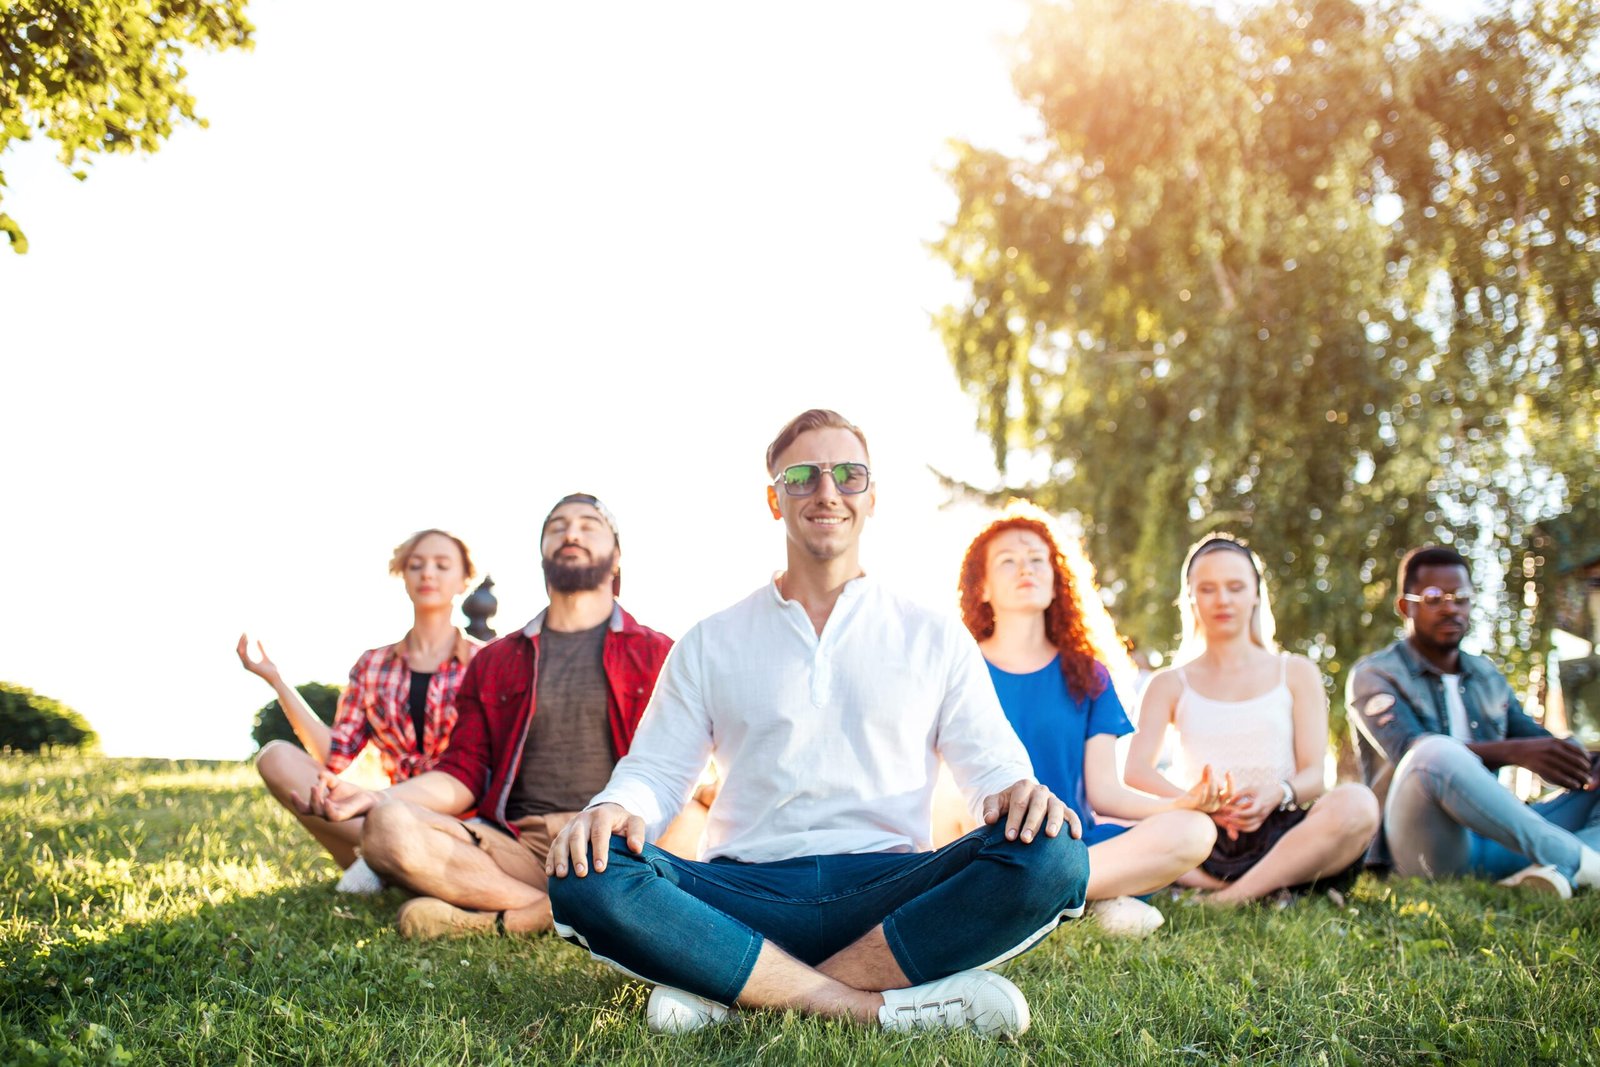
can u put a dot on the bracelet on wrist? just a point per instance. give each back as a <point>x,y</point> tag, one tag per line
<point>1289,802</point>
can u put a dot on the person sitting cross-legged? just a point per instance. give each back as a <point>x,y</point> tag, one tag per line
<point>1433,725</point>
<point>401,699</point>
<point>1259,715</point>
<point>826,703</point>
<point>1032,605</point>
<point>544,714</point>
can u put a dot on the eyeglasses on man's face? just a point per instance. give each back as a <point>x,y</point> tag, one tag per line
<point>1434,597</point>
<point>803,479</point>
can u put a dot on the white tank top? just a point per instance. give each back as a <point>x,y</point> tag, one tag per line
<point>1252,738</point>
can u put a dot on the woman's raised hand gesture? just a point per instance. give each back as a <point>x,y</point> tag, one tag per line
<point>262,668</point>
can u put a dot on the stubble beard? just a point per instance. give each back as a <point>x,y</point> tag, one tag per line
<point>826,545</point>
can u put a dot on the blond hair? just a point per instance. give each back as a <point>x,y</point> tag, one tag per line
<point>806,421</point>
<point>402,552</point>
<point>1263,627</point>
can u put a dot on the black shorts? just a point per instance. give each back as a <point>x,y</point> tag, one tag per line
<point>1232,857</point>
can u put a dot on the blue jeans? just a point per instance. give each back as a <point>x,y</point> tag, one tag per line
<point>1447,814</point>
<point>700,926</point>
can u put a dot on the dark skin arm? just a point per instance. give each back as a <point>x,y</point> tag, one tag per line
<point>1558,762</point>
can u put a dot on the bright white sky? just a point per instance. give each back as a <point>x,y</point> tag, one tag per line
<point>440,270</point>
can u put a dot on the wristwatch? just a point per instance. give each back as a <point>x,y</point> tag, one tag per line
<point>1288,803</point>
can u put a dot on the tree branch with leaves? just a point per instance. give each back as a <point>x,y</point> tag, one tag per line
<point>103,75</point>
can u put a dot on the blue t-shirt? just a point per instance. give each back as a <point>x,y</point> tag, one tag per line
<point>1054,727</point>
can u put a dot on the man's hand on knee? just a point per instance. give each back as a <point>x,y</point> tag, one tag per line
<point>1027,805</point>
<point>592,830</point>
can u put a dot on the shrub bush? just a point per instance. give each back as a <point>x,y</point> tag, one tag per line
<point>273,725</point>
<point>30,722</point>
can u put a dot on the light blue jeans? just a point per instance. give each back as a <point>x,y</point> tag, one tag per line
<point>1447,814</point>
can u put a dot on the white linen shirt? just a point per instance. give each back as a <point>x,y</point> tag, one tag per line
<point>825,744</point>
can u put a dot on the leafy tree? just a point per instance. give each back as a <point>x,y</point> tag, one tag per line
<point>1317,272</point>
<point>103,75</point>
<point>30,722</point>
<point>272,725</point>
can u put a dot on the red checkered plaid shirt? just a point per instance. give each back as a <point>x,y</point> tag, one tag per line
<point>376,707</point>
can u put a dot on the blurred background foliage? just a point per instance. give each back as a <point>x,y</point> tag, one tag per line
<point>32,722</point>
<point>273,725</point>
<point>1317,272</point>
<point>103,75</point>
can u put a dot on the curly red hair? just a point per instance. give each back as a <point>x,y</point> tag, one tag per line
<point>1065,622</point>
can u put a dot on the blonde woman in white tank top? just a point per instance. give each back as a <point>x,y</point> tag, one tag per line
<point>1261,715</point>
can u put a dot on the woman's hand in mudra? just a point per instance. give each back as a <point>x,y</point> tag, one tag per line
<point>1208,794</point>
<point>1245,813</point>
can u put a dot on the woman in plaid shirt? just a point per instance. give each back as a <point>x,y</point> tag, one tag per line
<point>401,698</point>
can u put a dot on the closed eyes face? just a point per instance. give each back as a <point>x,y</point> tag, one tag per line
<point>1017,572</point>
<point>433,571</point>
<point>577,532</point>
<point>1222,588</point>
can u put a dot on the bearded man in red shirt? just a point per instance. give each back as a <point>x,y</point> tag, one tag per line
<point>545,713</point>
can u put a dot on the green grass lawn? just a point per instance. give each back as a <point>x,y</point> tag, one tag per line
<point>157,912</point>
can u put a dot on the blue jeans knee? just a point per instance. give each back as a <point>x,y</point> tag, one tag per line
<point>1047,875</point>
<point>600,898</point>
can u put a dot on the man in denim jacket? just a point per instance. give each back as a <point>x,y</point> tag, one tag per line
<point>1433,725</point>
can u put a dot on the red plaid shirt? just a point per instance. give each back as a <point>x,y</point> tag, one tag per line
<point>497,703</point>
<point>376,707</point>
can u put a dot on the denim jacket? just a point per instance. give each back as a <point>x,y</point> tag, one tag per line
<point>1394,697</point>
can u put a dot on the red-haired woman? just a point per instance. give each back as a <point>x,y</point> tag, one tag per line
<point>1239,703</point>
<point>1047,637</point>
<point>401,698</point>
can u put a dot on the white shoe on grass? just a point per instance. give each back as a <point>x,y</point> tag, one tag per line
<point>1588,870</point>
<point>1126,917</point>
<point>1540,878</point>
<point>972,1000</point>
<point>359,879</point>
<point>674,1011</point>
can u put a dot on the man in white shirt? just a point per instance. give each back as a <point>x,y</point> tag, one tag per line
<point>826,703</point>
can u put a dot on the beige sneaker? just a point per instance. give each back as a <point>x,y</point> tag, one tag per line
<point>1126,917</point>
<point>427,918</point>
<point>1540,878</point>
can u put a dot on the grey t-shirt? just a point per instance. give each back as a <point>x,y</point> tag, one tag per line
<point>567,758</point>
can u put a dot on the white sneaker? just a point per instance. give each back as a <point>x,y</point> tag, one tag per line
<point>673,1011</point>
<point>1588,870</point>
<point>1126,917</point>
<point>975,1000</point>
<point>359,879</point>
<point>1540,878</point>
